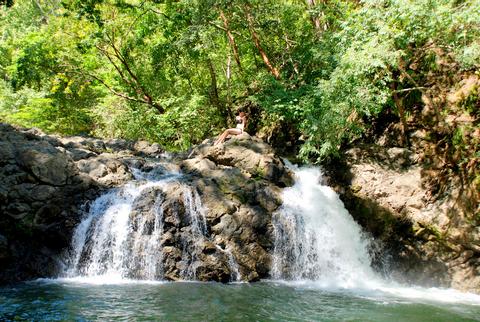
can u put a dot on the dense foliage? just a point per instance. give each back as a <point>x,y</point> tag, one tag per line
<point>311,72</point>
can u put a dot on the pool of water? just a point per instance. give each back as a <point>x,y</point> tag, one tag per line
<point>80,300</point>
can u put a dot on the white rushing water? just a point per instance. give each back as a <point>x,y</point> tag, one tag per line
<point>111,244</point>
<point>318,245</point>
<point>316,238</point>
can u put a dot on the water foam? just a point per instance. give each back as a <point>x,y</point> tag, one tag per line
<point>111,245</point>
<point>316,238</point>
<point>318,245</point>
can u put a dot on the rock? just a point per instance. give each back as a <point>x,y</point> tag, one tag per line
<point>117,145</point>
<point>400,157</point>
<point>75,143</point>
<point>252,156</point>
<point>105,169</point>
<point>219,212</point>
<point>213,267</point>
<point>79,154</point>
<point>198,165</point>
<point>424,238</point>
<point>227,226</point>
<point>18,210</point>
<point>144,148</point>
<point>43,192</point>
<point>239,185</point>
<point>41,196</point>
<point>6,152</point>
<point>46,163</point>
<point>167,239</point>
<point>269,198</point>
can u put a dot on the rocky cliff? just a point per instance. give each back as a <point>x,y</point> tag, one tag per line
<point>425,237</point>
<point>48,181</point>
<point>41,193</point>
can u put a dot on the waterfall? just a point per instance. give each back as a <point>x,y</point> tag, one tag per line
<point>121,236</point>
<point>123,233</point>
<point>232,263</point>
<point>316,238</point>
<point>236,276</point>
<point>193,239</point>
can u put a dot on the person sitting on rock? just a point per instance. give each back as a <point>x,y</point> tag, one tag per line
<point>241,120</point>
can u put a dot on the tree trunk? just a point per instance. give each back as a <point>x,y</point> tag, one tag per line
<point>231,39</point>
<point>213,84</point>
<point>401,113</point>
<point>294,63</point>
<point>214,98</point>
<point>314,18</point>
<point>256,41</point>
<point>422,90</point>
<point>228,76</point>
<point>126,73</point>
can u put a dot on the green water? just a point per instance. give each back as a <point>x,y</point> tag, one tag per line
<point>266,301</point>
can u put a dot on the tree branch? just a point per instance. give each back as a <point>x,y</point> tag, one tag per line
<point>231,40</point>
<point>274,71</point>
<point>421,89</point>
<point>408,89</point>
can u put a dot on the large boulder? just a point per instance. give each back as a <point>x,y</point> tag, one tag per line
<point>253,157</point>
<point>40,202</point>
<point>106,169</point>
<point>240,185</point>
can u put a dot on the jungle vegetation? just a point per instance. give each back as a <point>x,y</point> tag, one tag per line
<point>314,74</point>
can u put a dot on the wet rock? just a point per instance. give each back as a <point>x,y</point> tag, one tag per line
<point>240,183</point>
<point>215,220</point>
<point>213,267</point>
<point>269,198</point>
<point>227,226</point>
<point>43,192</point>
<point>168,239</point>
<point>4,254</point>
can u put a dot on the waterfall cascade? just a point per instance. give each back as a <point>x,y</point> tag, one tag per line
<point>318,244</point>
<point>316,241</point>
<point>316,238</point>
<point>121,236</point>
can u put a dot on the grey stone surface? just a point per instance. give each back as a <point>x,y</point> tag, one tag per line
<point>46,180</point>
